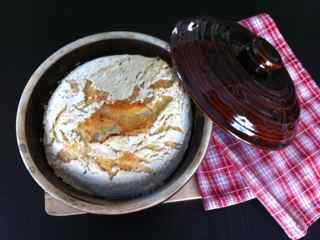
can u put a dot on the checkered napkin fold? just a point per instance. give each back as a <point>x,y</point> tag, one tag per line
<point>287,181</point>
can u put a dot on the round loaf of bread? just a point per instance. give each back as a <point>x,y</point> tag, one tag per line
<point>117,126</point>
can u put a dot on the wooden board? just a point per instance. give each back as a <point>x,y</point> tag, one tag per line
<point>55,207</point>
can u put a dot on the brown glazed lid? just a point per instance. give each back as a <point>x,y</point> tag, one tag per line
<point>237,79</point>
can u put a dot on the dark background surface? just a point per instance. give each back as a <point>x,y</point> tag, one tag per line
<point>32,30</point>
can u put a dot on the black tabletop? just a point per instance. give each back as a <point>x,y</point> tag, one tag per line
<point>32,30</point>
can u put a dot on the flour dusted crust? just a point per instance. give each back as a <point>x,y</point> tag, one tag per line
<point>117,126</point>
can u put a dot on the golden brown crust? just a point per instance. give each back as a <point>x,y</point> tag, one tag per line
<point>121,118</point>
<point>162,84</point>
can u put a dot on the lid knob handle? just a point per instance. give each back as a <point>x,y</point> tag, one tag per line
<point>265,55</point>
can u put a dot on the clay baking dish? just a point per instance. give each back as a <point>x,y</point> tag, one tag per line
<point>37,92</point>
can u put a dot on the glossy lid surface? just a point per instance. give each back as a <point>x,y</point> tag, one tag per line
<point>237,79</point>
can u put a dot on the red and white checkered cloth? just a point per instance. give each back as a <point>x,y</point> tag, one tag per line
<point>287,181</point>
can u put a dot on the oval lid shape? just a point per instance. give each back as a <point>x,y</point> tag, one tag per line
<point>237,79</point>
